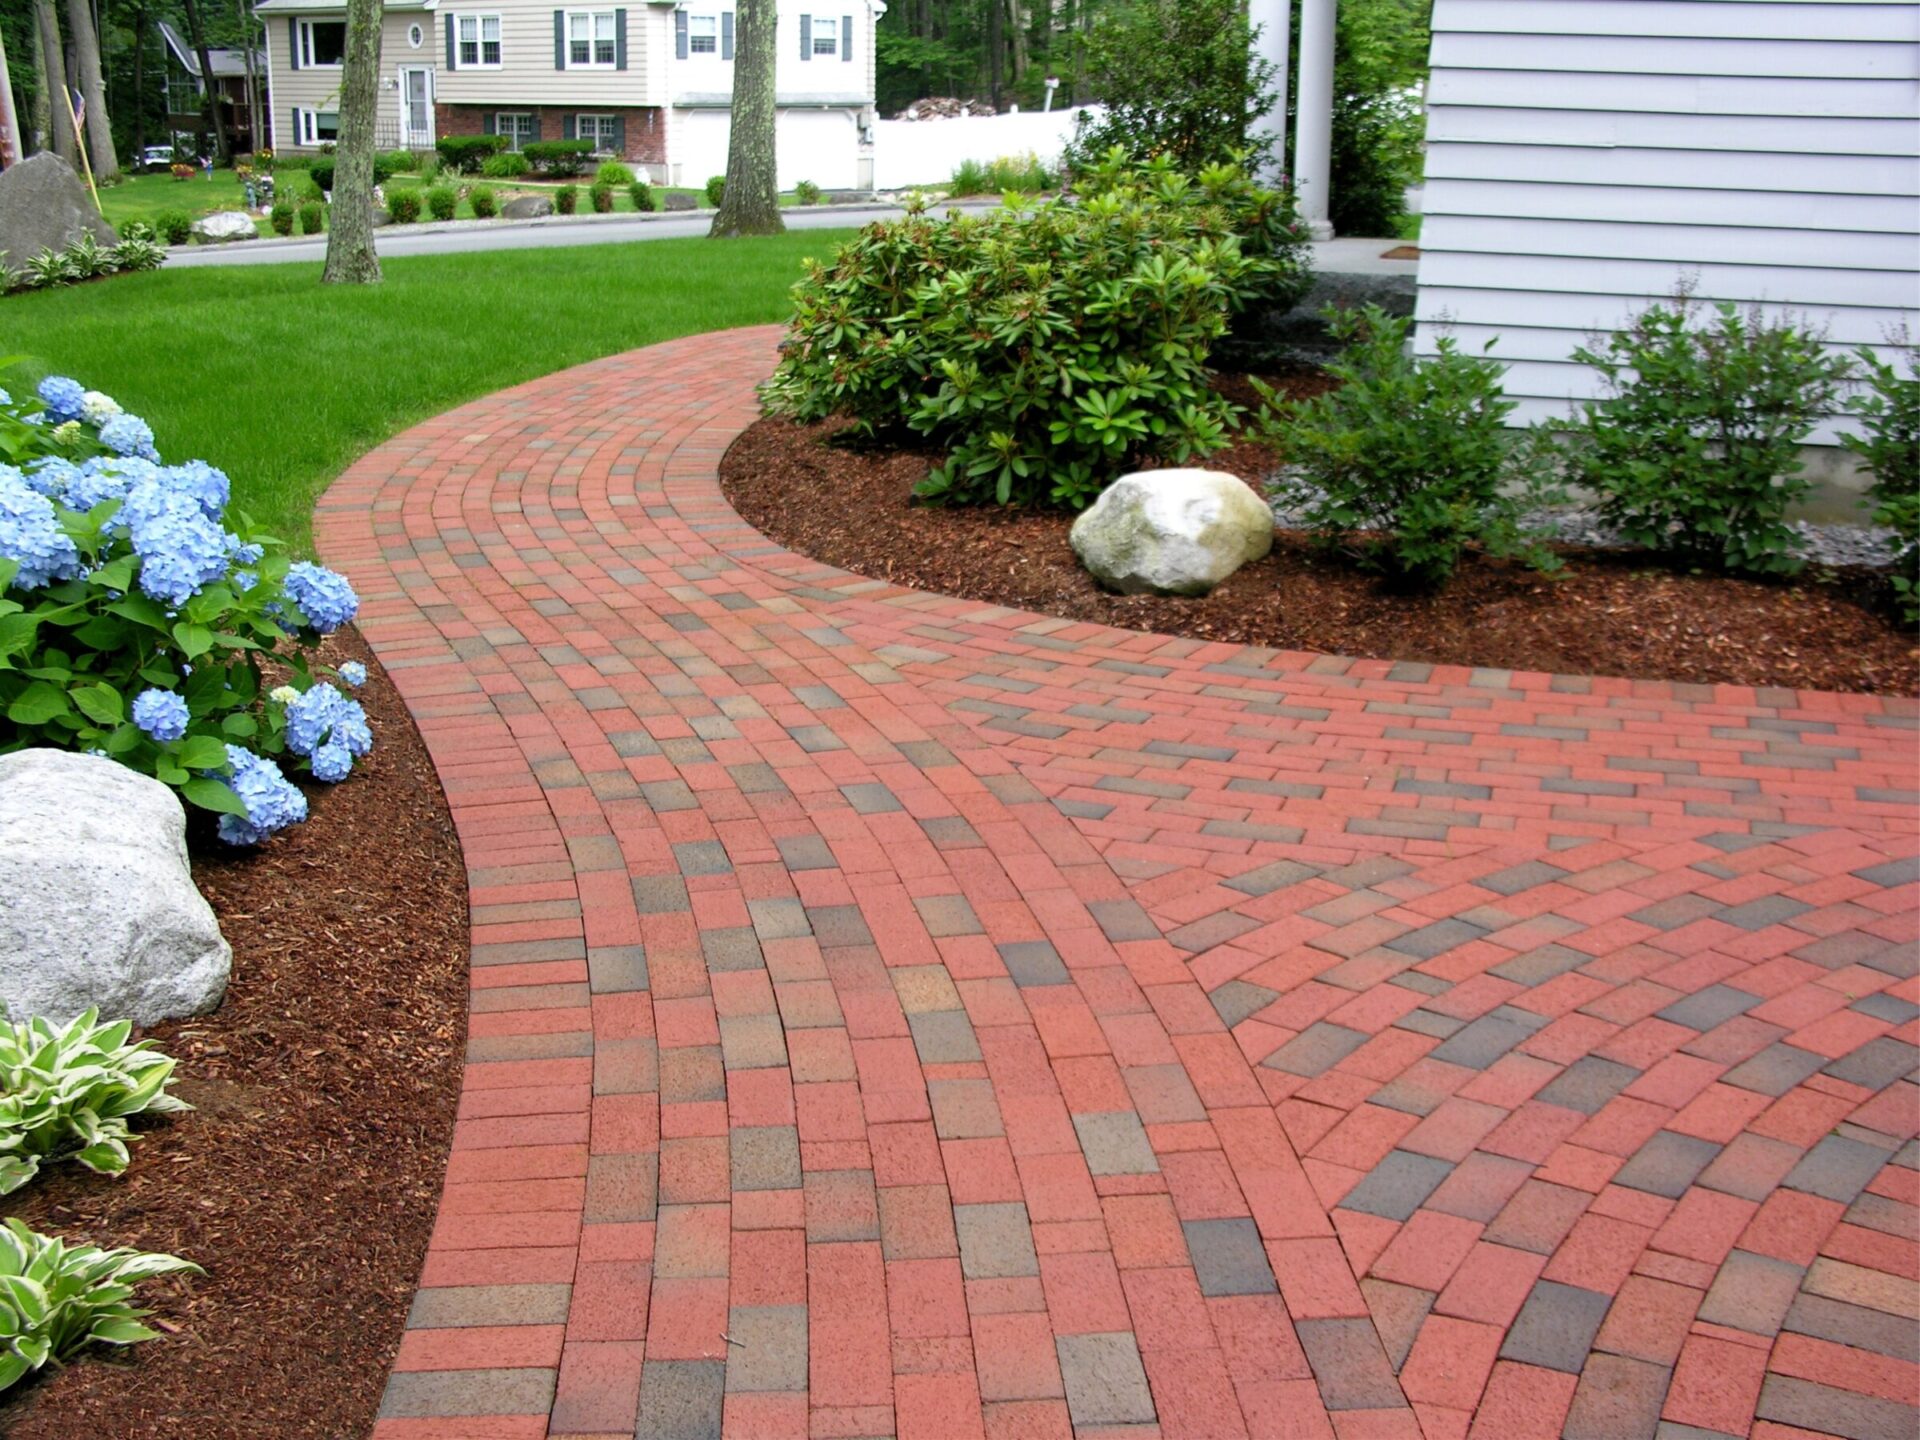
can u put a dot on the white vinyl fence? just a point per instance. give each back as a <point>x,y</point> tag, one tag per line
<point>927,152</point>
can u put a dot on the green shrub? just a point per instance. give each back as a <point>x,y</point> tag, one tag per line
<point>1694,450</point>
<point>567,199</point>
<point>642,194</point>
<point>135,230</point>
<point>613,175</point>
<point>602,198</point>
<point>1888,444</point>
<point>403,206</point>
<point>558,157</point>
<point>467,153</point>
<point>807,193</point>
<point>485,204</point>
<point>87,257</point>
<point>175,226</point>
<point>508,165</point>
<point>60,1298</point>
<point>48,270</point>
<point>136,253</point>
<point>281,217</point>
<point>1405,461</point>
<point>398,162</point>
<point>1023,175</point>
<point>1046,349</point>
<point>320,172</point>
<point>313,218</point>
<point>443,202</point>
<point>69,1092</point>
<point>716,190</point>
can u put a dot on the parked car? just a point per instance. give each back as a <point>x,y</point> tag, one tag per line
<point>156,157</point>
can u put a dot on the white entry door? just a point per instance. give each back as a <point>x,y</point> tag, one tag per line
<point>416,107</point>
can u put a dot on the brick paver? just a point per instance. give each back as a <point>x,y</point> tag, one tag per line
<point>897,1015</point>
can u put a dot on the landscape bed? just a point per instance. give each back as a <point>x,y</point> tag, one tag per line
<point>324,1088</point>
<point>1608,613</point>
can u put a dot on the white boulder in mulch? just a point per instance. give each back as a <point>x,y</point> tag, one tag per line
<point>97,904</point>
<point>1172,532</point>
<point>226,225</point>
<point>526,207</point>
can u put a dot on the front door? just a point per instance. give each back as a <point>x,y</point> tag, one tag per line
<point>416,107</point>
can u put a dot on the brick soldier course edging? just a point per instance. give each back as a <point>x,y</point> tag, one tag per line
<point>900,1016</point>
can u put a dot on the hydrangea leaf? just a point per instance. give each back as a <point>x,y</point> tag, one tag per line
<point>214,795</point>
<point>99,702</point>
<point>193,640</point>
<point>39,704</point>
<point>201,752</point>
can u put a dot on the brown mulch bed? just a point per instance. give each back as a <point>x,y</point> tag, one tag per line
<point>1607,614</point>
<point>325,1087</point>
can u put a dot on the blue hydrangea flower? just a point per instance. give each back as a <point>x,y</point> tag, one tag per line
<point>205,485</point>
<point>50,476</point>
<point>162,714</point>
<point>323,595</point>
<point>180,549</point>
<point>104,478</point>
<point>247,554</point>
<point>354,673</point>
<point>332,762</point>
<point>5,398</point>
<point>62,397</point>
<point>129,435</point>
<point>311,717</point>
<point>96,409</point>
<point>244,580</point>
<point>30,533</point>
<point>350,728</point>
<point>272,801</point>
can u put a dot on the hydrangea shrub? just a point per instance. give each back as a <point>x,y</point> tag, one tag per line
<point>137,617</point>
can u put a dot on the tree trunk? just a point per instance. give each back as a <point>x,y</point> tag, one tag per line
<point>351,259</point>
<point>139,83</point>
<point>86,49</point>
<point>1018,21</point>
<point>996,47</point>
<point>53,81</point>
<point>751,204</point>
<point>926,34</point>
<point>255,120</point>
<point>209,96</point>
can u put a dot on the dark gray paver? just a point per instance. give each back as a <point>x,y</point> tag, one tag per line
<point>1106,1383</point>
<point>1034,962</point>
<point>1228,1257</point>
<point>1555,1328</point>
<point>766,1348</point>
<point>682,1399</point>
<point>1398,1185</point>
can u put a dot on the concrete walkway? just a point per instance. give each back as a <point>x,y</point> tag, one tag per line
<point>900,1016</point>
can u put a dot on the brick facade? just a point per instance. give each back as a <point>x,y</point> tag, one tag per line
<point>645,126</point>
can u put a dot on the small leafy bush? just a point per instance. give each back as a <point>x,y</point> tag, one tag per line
<point>136,230</point>
<point>313,218</point>
<point>320,171</point>
<point>613,175</point>
<point>485,204</point>
<point>566,199</point>
<point>1046,348</point>
<point>137,252</point>
<point>134,622</point>
<point>403,206</point>
<point>88,258</point>
<point>1021,174</point>
<point>602,198</point>
<point>1694,450</point>
<point>56,1299</point>
<point>281,217</point>
<point>558,157</point>
<point>1405,461</point>
<point>398,162</point>
<point>175,226</point>
<point>48,269</point>
<point>508,165</point>
<point>467,153</point>
<point>807,193</point>
<point>1887,408</point>
<point>642,194</point>
<point>716,190</point>
<point>443,201</point>
<point>69,1092</point>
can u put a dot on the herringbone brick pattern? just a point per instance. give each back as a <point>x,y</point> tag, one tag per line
<point>899,1016</point>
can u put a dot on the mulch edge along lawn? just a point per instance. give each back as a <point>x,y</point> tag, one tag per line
<point>325,1087</point>
<point>1609,614</point>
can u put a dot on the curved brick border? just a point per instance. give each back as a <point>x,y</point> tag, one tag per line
<point>894,1015</point>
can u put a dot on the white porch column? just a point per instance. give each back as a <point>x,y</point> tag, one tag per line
<point>1275,19</point>
<point>1313,145</point>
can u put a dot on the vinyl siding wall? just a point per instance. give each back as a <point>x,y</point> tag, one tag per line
<point>1585,156</point>
<point>527,74</point>
<point>318,88</point>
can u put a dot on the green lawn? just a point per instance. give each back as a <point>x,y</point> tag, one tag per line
<point>282,382</point>
<point>142,197</point>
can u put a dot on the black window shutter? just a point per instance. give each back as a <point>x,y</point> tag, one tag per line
<point>726,34</point>
<point>489,123</point>
<point>806,37</point>
<point>679,34</point>
<point>620,39</point>
<point>453,49</point>
<point>620,136</point>
<point>566,127</point>
<point>560,40</point>
<point>846,37</point>
<point>293,45</point>
<point>296,127</point>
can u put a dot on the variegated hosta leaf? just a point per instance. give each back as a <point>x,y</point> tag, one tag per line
<point>56,1299</point>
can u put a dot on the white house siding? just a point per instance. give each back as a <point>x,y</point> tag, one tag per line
<point>527,74</point>
<point>318,88</point>
<point>1586,156</point>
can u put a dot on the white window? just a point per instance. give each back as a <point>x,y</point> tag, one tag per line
<point>322,42</point>
<point>183,96</point>
<point>318,127</point>
<point>602,130</point>
<point>518,127</point>
<point>479,46</point>
<point>703,34</point>
<point>825,32</point>
<point>590,38</point>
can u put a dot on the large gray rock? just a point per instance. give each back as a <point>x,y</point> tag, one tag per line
<point>526,207</point>
<point>100,906</point>
<point>1172,532</point>
<point>44,206</point>
<point>226,225</point>
<point>1301,335</point>
<point>674,200</point>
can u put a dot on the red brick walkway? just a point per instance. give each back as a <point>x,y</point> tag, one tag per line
<point>899,1016</point>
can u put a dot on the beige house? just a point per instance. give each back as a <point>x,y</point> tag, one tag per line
<point>649,83</point>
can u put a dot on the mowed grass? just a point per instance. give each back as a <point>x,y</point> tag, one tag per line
<point>146,197</point>
<point>282,382</point>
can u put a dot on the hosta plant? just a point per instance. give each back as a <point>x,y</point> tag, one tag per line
<point>69,1092</point>
<point>135,624</point>
<point>57,1298</point>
